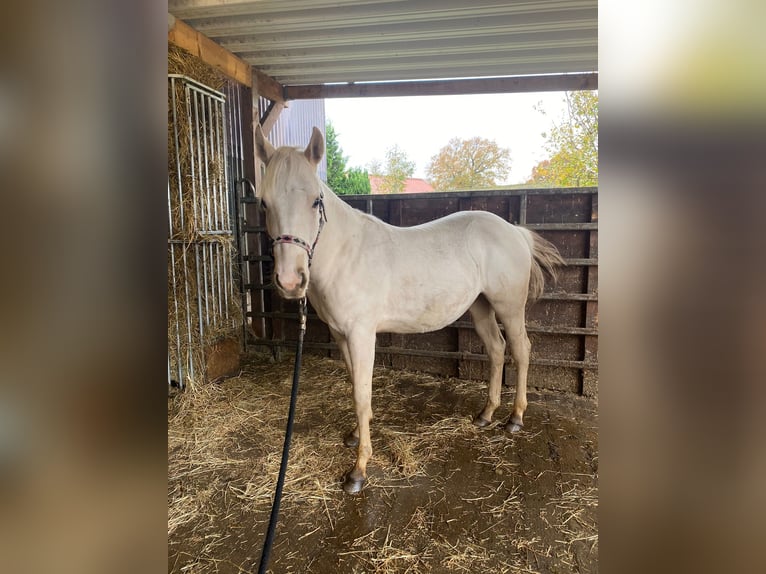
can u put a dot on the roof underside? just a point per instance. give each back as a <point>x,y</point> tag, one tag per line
<point>320,42</point>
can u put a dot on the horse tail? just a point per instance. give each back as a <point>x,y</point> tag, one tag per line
<point>545,261</point>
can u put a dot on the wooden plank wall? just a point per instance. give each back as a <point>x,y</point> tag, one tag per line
<point>563,325</point>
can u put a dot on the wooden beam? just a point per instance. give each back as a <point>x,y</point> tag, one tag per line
<point>186,37</point>
<point>517,84</point>
<point>271,116</point>
<point>268,87</point>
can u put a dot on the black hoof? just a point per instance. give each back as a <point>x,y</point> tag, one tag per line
<point>480,421</point>
<point>514,425</point>
<point>350,440</point>
<point>353,485</point>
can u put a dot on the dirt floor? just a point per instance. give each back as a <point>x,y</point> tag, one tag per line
<point>442,495</point>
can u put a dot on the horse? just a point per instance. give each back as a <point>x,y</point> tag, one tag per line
<point>363,276</point>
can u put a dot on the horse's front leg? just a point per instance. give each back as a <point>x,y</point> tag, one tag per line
<point>361,347</point>
<point>352,438</point>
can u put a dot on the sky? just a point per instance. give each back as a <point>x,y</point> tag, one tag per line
<point>422,125</point>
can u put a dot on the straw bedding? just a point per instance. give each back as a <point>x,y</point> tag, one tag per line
<point>448,497</point>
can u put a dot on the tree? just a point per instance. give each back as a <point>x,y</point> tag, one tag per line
<point>469,164</point>
<point>357,181</point>
<point>341,179</point>
<point>398,168</point>
<point>572,145</point>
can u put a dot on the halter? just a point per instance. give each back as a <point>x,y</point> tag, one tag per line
<point>295,240</point>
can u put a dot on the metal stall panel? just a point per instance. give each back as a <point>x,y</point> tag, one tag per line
<point>204,305</point>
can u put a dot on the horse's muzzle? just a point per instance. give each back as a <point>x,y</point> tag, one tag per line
<point>292,287</point>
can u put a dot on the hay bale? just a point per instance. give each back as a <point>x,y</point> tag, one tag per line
<point>204,303</point>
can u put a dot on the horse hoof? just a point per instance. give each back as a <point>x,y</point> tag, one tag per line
<point>513,427</point>
<point>353,485</point>
<point>480,421</point>
<point>350,440</point>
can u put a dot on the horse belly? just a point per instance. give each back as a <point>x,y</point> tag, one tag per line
<point>422,311</point>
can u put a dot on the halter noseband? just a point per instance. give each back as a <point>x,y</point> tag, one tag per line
<point>295,240</point>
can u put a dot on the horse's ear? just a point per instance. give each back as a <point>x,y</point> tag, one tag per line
<point>263,149</point>
<point>315,149</point>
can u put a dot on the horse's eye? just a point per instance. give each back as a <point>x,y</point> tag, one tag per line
<point>316,203</point>
<point>263,205</point>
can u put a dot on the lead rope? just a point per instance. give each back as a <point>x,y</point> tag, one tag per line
<point>286,447</point>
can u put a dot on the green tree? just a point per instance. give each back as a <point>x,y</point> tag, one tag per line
<point>474,163</point>
<point>357,181</point>
<point>397,169</point>
<point>341,179</point>
<point>572,145</point>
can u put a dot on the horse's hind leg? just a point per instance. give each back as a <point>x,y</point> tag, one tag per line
<point>489,332</point>
<point>516,331</point>
<point>352,438</point>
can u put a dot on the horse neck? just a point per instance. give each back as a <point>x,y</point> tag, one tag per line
<point>342,223</point>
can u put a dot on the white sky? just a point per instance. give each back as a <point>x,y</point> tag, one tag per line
<point>422,125</point>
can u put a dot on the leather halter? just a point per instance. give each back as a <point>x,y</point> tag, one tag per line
<point>303,244</point>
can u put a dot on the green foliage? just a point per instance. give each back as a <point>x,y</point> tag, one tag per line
<point>356,182</point>
<point>398,169</point>
<point>572,145</point>
<point>474,163</point>
<point>341,179</point>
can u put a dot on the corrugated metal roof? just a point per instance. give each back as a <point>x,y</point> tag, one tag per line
<point>318,41</point>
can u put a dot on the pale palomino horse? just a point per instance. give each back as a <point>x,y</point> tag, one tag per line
<point>363,277</point>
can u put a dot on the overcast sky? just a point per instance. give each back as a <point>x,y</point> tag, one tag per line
<point>366,127</point>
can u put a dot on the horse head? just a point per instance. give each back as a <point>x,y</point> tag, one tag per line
<point>292,197</point>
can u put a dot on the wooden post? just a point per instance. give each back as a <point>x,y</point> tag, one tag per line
<point>396,339</point>
<point>465,368</point>
<point>589,379</point>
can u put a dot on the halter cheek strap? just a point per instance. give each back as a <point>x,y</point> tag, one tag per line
<point>295,240</point>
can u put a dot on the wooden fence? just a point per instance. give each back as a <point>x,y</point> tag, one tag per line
<point>563,325</point>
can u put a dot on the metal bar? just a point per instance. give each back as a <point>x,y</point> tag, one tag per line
<point>204,283</point>
<point>206,191</point>
<point>189,357</point>
<point>208,197</point>
<point>191,153</point>
<point>213,217</point>
<point>222,295</point>
<point>223,142</point>
<point>178,359</point>
<point>199,86</point>
<point>177,156</point>
<point>199,295</point>
<point>220,157</point>
<point>216,157</point>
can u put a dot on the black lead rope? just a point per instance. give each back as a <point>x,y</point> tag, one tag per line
<point>286,447</point>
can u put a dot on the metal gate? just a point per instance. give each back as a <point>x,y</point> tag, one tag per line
<point>204,302</point>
